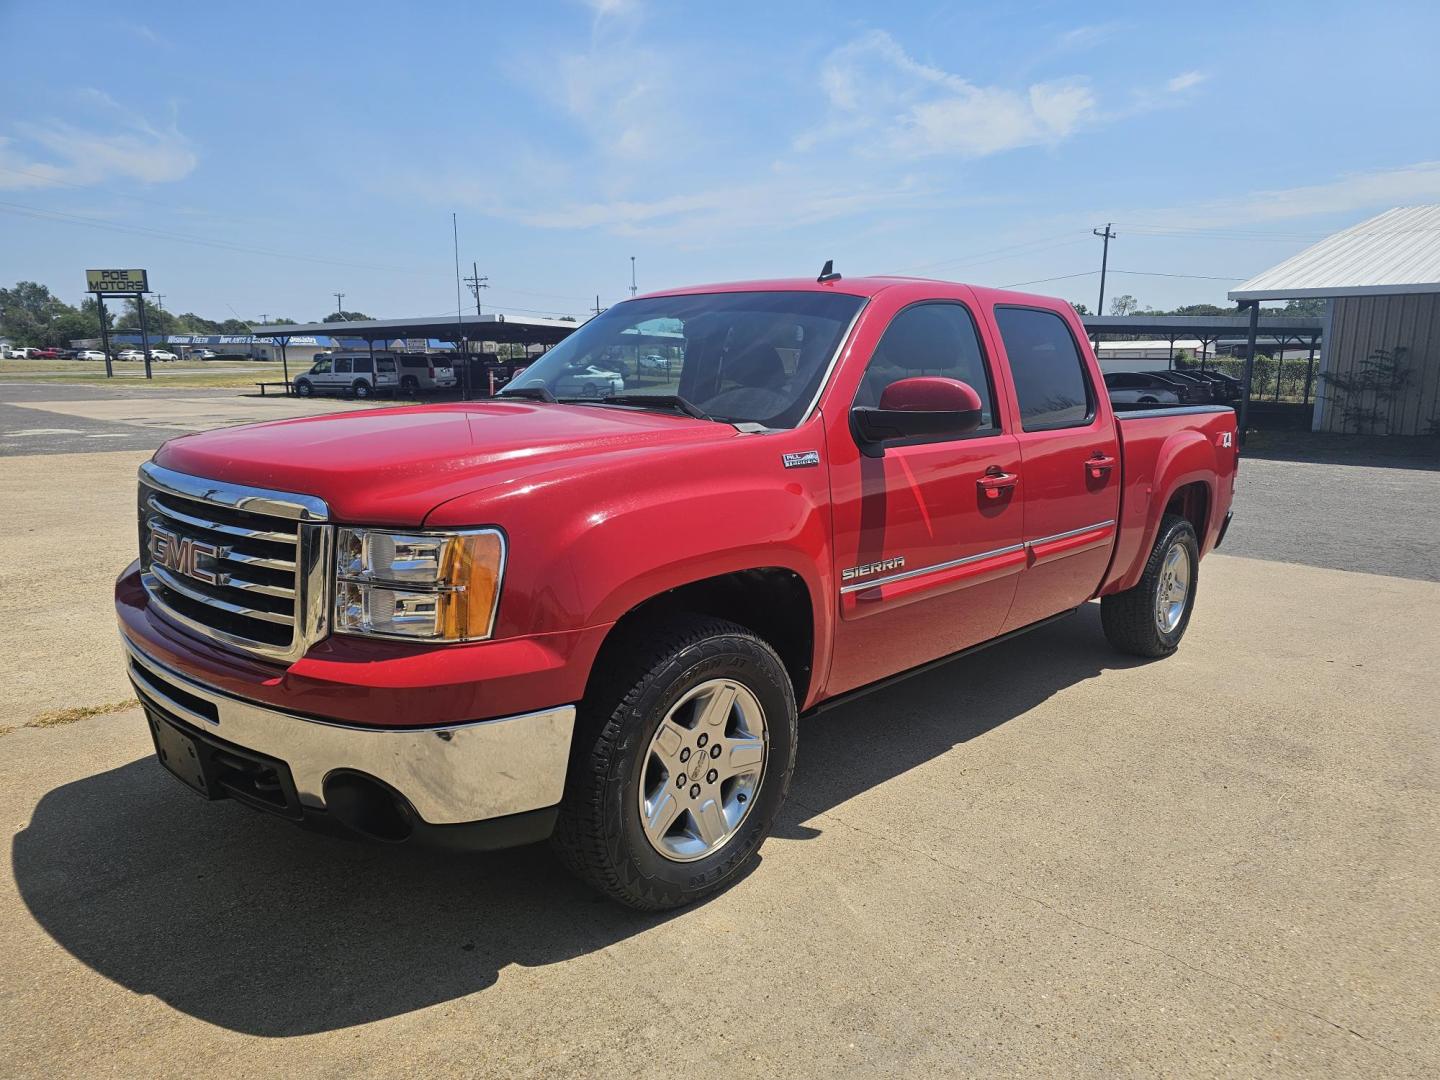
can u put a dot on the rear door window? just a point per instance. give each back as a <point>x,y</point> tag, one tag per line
<point>363,366</point>
<point>1051,383</point>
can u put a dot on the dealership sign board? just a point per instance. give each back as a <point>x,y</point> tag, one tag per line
<point>116,281</point>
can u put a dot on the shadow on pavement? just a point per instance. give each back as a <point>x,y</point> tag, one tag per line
<point>246,922</point>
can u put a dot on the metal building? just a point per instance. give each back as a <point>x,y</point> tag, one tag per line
<point>1380,353</point>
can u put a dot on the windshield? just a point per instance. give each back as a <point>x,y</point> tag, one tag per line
<point>753,357</point>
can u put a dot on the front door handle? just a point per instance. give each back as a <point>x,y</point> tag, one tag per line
<point>1099,463</point>
<point>995,481</point>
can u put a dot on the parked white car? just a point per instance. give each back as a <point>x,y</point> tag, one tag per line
<point>12,353</point>
<point>89,354</point>
<point>349,373</point>
<point>130,354</point>
<point>202,354</point>
<point>588,381</point>
<point>162,354</point>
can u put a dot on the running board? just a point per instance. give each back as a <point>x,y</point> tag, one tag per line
<point>931,665</point>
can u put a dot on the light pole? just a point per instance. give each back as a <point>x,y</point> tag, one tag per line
<point>633,289</point>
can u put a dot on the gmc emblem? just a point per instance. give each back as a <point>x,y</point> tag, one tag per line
<point>179,554</point>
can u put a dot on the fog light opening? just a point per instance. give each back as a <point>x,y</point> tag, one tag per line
<point>367,806</point>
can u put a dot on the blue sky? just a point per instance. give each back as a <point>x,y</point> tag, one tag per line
<point>258,158</point>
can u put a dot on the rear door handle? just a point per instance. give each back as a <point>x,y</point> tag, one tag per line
<point>995,481</point>
<point>1099,463</point>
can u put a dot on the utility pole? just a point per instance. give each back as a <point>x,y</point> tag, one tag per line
<point>339,303</point>
<point>476,283</point>
<point>1107,236</point>
<point>633,289</point>
<point>160,300</point>
<point>598,308</point>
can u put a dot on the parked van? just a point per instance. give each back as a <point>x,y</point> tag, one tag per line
<point>350,373</point>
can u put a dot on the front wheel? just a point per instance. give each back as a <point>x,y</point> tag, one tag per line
<point>679,765</point>
<point>1151,618</point>
<point>303,388</point>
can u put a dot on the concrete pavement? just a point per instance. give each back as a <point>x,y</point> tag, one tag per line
<point>1045,858</point>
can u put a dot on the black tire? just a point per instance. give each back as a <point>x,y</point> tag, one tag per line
<point>303,388</point>
<point>410,385</point>
<point>590,390</point>
<point>362,389</point>
<point>599,835</point>
<point>1149,401</point>
<point>1130,619</point>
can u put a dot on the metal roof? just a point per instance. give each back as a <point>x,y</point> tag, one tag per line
<point>497,327</point>
<point>1396,252</point>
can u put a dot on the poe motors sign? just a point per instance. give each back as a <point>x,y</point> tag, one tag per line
<point>116,282</point>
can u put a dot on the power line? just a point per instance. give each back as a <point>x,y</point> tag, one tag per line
<point>1042,244</point>
<point>1193,277</point>
<point>1043,280</point>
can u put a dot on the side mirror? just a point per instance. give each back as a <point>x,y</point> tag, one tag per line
<point>926,405</point>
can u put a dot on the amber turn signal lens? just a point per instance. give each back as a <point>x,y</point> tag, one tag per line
<point>470,568</point>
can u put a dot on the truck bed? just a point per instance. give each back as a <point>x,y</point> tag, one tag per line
<point>1192,448</point>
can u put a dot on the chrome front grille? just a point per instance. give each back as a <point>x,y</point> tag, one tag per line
<point>239,565</point>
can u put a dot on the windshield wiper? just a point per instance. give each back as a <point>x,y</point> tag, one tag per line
<point>672,401</point>
<point>530,393</point>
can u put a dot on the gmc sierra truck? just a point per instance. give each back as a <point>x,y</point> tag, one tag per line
<point>596,619</point>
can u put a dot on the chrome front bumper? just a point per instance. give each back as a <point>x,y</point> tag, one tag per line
<point>450,775</point>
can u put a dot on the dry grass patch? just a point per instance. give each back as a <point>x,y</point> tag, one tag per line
<point>57,717</point>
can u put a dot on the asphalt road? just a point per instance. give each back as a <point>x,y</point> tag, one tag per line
<point>1377,519</point>
<point>70,418</point>
<point>1044,859</point>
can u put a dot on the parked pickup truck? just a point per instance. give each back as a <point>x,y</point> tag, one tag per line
<point>597,619</point>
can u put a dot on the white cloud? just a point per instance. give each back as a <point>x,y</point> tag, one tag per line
<point>1352,193</point>
<point>56,152</point>
<point>1185,81</point>
<point>884,102</point>
<point>706,216</point>
<point>610,8</point>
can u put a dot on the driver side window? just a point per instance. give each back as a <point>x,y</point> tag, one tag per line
<point>931,339</point>
<point>322,367</point>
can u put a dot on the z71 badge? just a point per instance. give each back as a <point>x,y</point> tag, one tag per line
<point>852,572</point>
<point>801,460</point>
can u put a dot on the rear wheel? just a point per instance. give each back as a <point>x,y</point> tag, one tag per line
<point>410,385</point>
<point>1151,618</point>
<point>362,389</point>
<point>679,765</point>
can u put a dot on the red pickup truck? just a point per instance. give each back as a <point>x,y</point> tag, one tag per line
<point>597,618</point>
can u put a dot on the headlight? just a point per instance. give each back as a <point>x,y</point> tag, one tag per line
<point>426,586</point>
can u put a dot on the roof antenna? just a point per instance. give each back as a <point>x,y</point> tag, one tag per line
<point>827,272</point>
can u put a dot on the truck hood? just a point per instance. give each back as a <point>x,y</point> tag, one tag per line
<point>393,466</point>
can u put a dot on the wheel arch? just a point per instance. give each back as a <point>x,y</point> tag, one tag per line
<point>772,602</point>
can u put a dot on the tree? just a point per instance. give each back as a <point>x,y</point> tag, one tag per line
<point>1204,309</point>
<point>1080,309</point>
<point>1310,307</point>
<point>190,323</point>
<point>1123,305</point>
<point>158,321</point>
<point>347,316</point>
<point>27,310</point>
